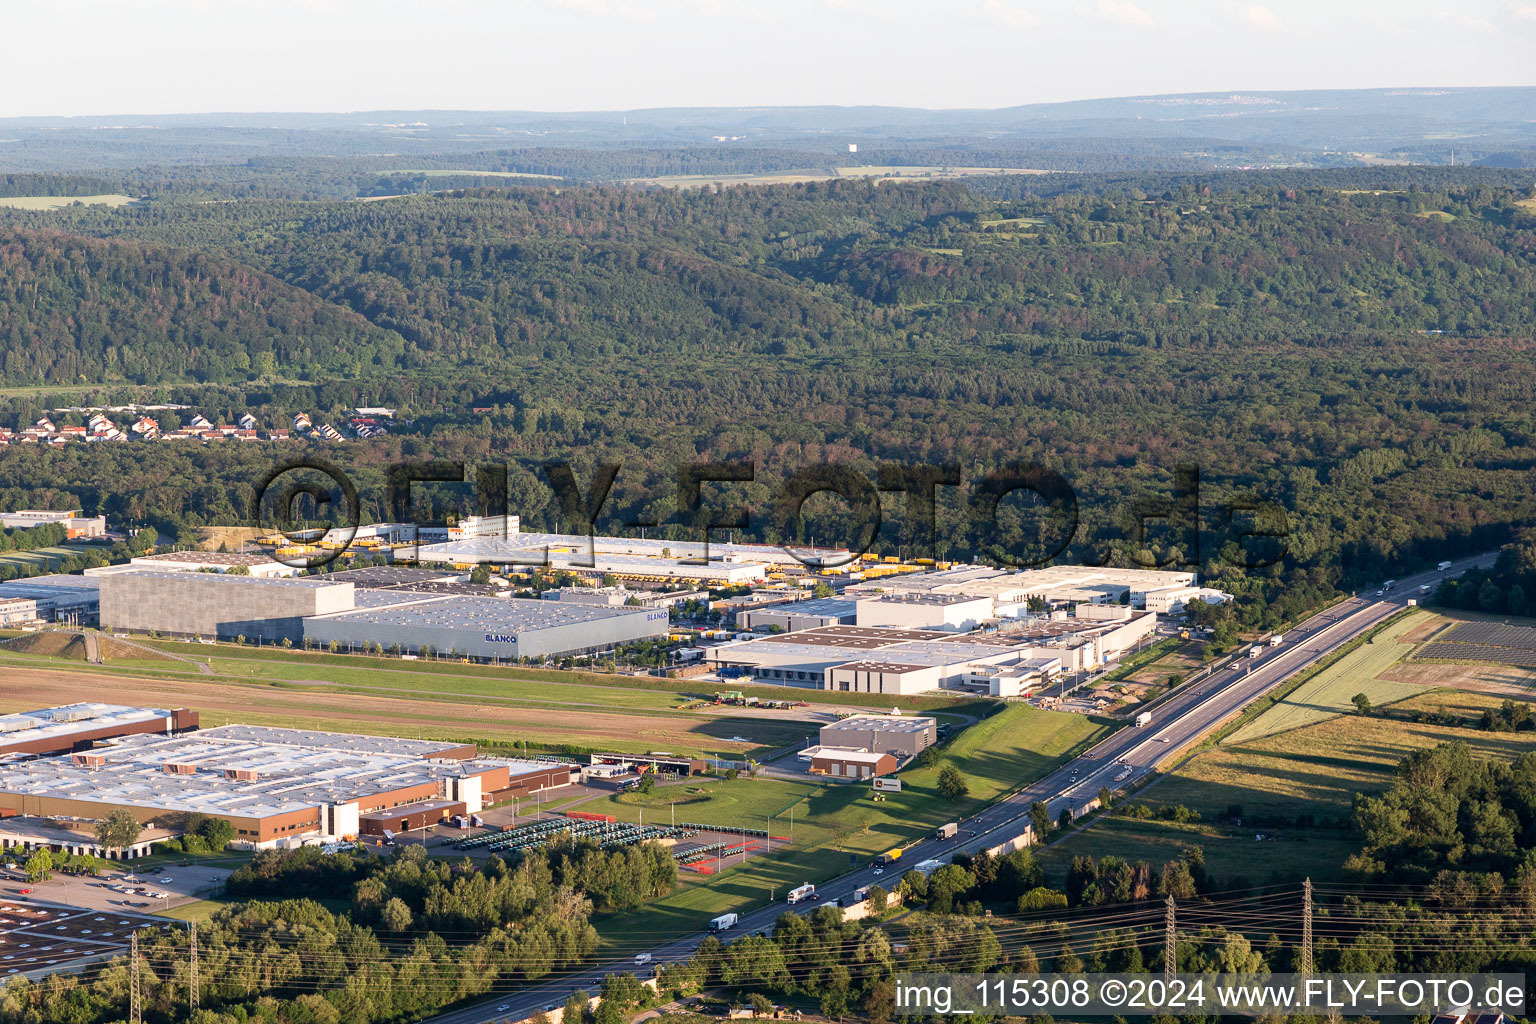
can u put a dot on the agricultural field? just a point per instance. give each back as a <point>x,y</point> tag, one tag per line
<point>1315,769</point>
<point>33,682</point>
<point>59,202</point>
<point>1330,693</point>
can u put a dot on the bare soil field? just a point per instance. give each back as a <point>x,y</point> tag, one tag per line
<point>220,703</point>
<point>1505,680</point>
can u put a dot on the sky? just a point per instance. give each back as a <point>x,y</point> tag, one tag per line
<point>73,57</point>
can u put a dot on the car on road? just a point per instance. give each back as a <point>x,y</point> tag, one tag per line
<point>504,1007</point>
<point>24,892</point>
<point>879,871</point>
<point>643,958</point>
<point>167,880</point>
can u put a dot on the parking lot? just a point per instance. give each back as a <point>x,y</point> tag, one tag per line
<point>119,890</point>
<point>39,938</point>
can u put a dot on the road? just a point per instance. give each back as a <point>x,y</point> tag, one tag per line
<point>1178,720</point>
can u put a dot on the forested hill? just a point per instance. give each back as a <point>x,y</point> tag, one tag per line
<point>1363,356</point>
<point>85,310</point>
<point>485,280</point>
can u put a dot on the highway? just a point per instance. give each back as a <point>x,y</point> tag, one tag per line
<point>1178,720</point>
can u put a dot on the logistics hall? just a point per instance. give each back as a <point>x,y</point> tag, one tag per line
<point>273,785</point>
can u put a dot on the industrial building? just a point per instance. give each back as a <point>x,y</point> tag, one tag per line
<point>899,736</point>
<point>615,596</point>
<point>851,764</point>
<point>958,613</point>
<point>583,560</point>
<point>214,605</point>
<point>487,627</point>
<point>55,598</point>
<point>870,659</point>
<point>77,525</point>
<point>78,726</point>
<point>797,615</point>
<point>517,548</point>
<point>212,561</point>
<point>275,786</point>
<point>1055,585</point>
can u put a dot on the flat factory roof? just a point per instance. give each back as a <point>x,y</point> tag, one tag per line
<point>230,558</point>
<point>224,579</point>
<point>377,576</point>
<point>52,723</point>
<point>295,770</point>
<point>48,586</point>
<point>883,723</point>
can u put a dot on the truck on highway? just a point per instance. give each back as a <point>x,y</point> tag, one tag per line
<point>803,892</point>
<point>1277,640</point>
<point>1424,589</point>
<point>723,922</point>
<point>928,867</point>
<point>1143,719</point>
<point>892,856</point>
<point>1443,566</point>
<point>1388,585</point>
<point>948,831</point>
<point>1253,652</point>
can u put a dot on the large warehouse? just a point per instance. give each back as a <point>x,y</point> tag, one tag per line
<point>874,659</point>
<point>77,726</point>
<point>899,736</point>
<point>270,784</point>
<point>213,605</point>
<point>57,598</point>
<point>565,548</point>
<point>398,609</point>
<point>488,627</point>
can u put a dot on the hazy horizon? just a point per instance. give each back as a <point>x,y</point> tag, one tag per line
<point>161,57</point>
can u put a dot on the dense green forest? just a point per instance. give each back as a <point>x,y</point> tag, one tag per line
<point>1353,348</point>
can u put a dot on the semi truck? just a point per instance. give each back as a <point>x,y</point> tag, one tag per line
<point>948,831</point>
<point>1144,719</point>
<point>803,892</point>
<point>1443,566</point>
<point>723,922</point>
<point>1277,640</point>
<point>1253,652</point>
<point>892,856</point>
<point>928,867</point>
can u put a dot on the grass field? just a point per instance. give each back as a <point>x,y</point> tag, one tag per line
<point>43,559</point>
<point>59,202</point>
<point>1331,691</point>
<point>676,689</point>
<point>1316,769</point>
<point>838,824</point>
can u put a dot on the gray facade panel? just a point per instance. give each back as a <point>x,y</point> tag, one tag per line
<point>216,605</point>
<point>547,641</point>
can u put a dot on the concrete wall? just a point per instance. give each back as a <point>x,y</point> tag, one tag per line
<point>574,637</point>
<point>216,605</point>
